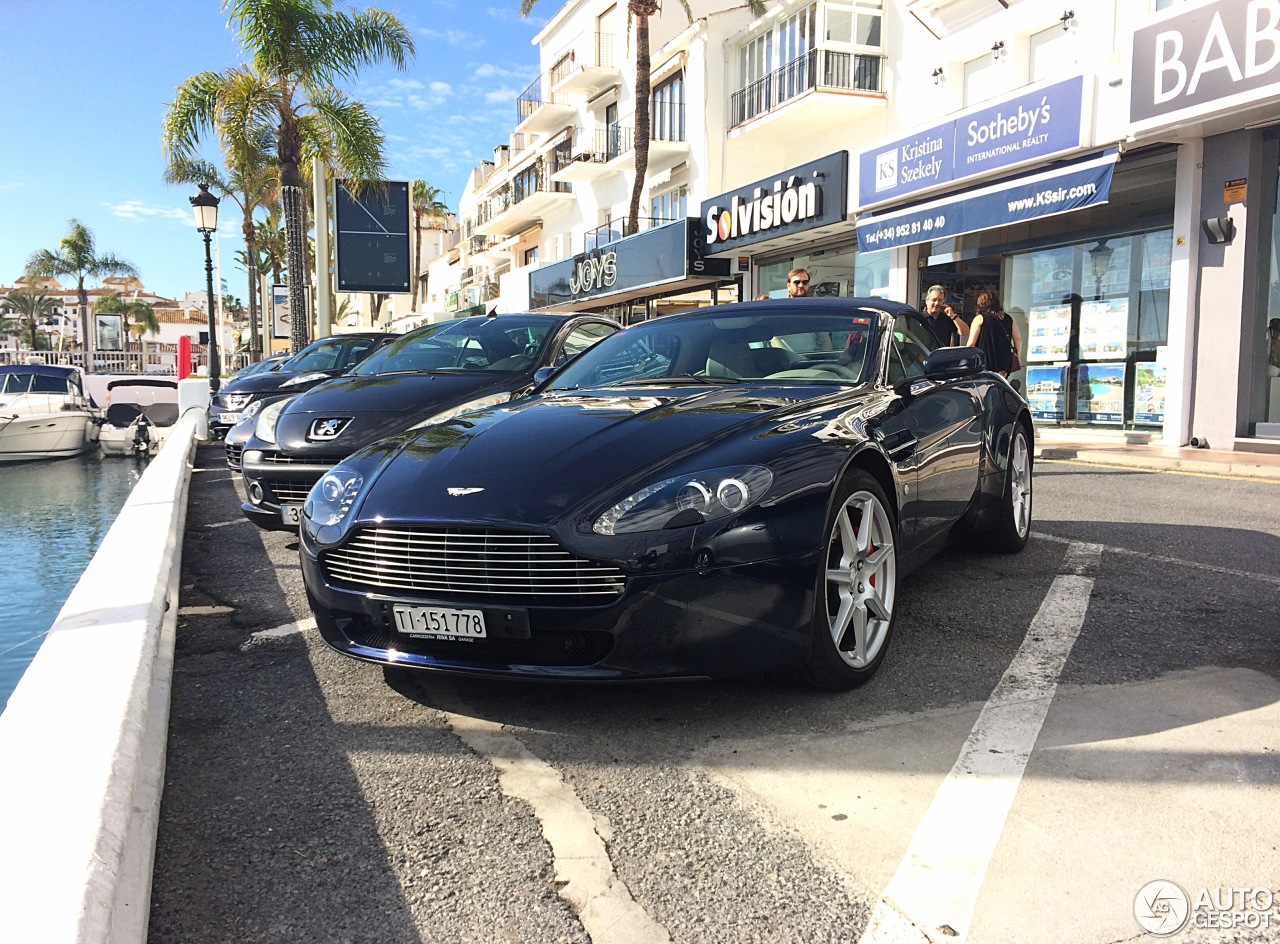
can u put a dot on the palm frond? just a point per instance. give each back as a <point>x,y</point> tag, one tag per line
<point>354,135</point>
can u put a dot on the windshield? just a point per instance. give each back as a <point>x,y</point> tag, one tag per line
<point>505,345</point>
<point>329,354</point>
<point>782,345</point>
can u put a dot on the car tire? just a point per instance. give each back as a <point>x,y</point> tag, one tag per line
<point>856,587</point>
<point>1012,525</point>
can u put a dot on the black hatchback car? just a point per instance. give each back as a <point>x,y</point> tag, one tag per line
<point>425,376</point>
<point>318,361</point>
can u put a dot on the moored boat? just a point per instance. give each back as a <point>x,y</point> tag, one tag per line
<point>44,413</point>
<point>140,413</point>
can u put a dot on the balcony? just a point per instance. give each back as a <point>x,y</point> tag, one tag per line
<point>538,114</point>
<point>604,151</point>
<point>613,230</point>
<point>525,200</point>
<point>592,66</point>
<point>820,71</point>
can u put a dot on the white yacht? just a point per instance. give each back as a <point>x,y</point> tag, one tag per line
<point>140,413</point>
<point>44,413</point>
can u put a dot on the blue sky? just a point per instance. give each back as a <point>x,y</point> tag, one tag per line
<point>86,83</point>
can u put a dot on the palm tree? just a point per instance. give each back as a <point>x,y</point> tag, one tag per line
<point>32,309</point>
<point>424,200</point>
<point>253,181</point>
<point>76,255</point>
<point>137,316</point>
<point>639,12</point>
<point>297,50</point>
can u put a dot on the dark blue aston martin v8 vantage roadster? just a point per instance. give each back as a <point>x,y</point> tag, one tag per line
<point>728,490</point>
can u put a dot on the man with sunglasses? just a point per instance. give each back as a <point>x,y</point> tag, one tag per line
<point>798,283</point>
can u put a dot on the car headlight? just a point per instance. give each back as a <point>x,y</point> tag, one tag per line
<point>480,404</point>
<point>303,379</point>
<point>687,500</point>
<point>330,499</point>
<point>265,429</point>
<point>253,409</point>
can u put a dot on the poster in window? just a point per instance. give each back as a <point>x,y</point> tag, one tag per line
<point>1049,327</point>
<point>280,312</point>
<point>1100,393</point>
<point>108,332</point>
<point>1157,253</point>
<point>1104,329</point>
<point>1047,391</point>
<point>1148,393</point>
<point>1051,273</point>
<point>1109,273</point>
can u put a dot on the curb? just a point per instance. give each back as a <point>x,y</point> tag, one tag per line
<point>1134,458</point>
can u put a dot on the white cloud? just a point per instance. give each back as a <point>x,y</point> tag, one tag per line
<point>399,93</point>
<point>491,71</point>
<point>512,15</point>
<point>459,39</point>
<point>138,211</point>
<point>503,94</point>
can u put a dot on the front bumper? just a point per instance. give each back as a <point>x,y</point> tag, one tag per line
<point>273,483</point>
<point>683,624</point>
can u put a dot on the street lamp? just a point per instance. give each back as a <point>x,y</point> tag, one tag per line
<point>1100,262</point>
<point>206,206</point>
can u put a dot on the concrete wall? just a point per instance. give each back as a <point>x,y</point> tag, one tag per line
<point>83,736</point>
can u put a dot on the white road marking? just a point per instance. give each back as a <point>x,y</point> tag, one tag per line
<point>936,885</point>
<point>288,629</point>
<point>1166,559</point>
<point>226,524</point>
<point>601,899</point>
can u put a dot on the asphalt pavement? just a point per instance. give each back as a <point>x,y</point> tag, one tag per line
<point>312,798</point>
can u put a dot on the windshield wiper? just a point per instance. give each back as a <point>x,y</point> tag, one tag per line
<point>677,380</point>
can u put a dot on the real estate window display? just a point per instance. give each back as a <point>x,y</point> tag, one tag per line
<point>1089,291</point>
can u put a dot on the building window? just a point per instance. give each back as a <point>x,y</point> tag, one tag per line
<point>1051,52</point>
<point>983,79</point>
<point>668,110</point>
<point>669,206</point>
<point>531,256</point>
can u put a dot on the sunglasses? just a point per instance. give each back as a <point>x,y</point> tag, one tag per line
<point>799,281</point>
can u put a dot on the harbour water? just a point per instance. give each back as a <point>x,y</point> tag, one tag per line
<point>53,516</point>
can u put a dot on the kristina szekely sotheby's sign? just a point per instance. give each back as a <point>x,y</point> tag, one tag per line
<point>1030,126</point>
<point>1216,56</point>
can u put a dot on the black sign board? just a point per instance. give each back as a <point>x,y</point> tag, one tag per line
<point>648,259</point>
<point>372,245</point>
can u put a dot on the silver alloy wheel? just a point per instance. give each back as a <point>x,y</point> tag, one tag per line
<point>862,579</point>
<point>1020,483</point>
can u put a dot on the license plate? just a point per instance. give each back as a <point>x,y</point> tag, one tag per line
<point>434,622</point>
<point>231,418</point>
<point>291,514</point>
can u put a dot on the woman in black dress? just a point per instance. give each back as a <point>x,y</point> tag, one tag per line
<point>994,333</point>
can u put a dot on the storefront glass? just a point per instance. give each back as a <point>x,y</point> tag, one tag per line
<point>1265,409</point>
<point>833,272</point>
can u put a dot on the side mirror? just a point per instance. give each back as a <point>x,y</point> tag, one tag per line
<point>947,362</point>
<point>541,374</point>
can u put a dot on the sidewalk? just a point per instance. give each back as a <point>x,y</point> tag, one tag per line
<point>1111,448</point>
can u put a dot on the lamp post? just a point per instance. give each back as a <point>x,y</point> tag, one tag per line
<point>1100,262</point>
<point>205,205</point>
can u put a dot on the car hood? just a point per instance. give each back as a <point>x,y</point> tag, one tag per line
<point>270,381</point>
<point>378,406</point>
<point>533,460</point>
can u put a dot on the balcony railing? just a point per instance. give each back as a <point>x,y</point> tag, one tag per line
<point>531,99</point>
<point>668,122</point>
<point>613,230</point>
<point>821,69</point>
<point>535,179</point>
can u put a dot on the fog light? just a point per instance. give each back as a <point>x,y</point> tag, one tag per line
<point>255,493</point>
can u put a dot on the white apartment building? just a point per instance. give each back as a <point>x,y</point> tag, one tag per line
<point>1110,167</point>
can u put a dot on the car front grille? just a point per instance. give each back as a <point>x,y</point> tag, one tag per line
<point>279,458</point>
<point>288,493</point>
<point>233,401</point>
<point>234,452</point>
<point>507,566</point>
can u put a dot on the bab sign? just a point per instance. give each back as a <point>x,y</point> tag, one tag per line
<point>1029,126</point>
<point>1221,55</point>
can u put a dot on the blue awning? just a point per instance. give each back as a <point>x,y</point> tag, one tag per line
<point>1060,189</point>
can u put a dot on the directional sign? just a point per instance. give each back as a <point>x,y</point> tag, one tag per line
<point>372,245</point>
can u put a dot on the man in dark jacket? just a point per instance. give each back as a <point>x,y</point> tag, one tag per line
<point>944,321</point>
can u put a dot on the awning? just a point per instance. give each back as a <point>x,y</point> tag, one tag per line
<point>1060,189</point>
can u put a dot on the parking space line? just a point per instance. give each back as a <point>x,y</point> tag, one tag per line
<point>1166,559</point>
<point>600,898</point>
<point>936,885</point>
